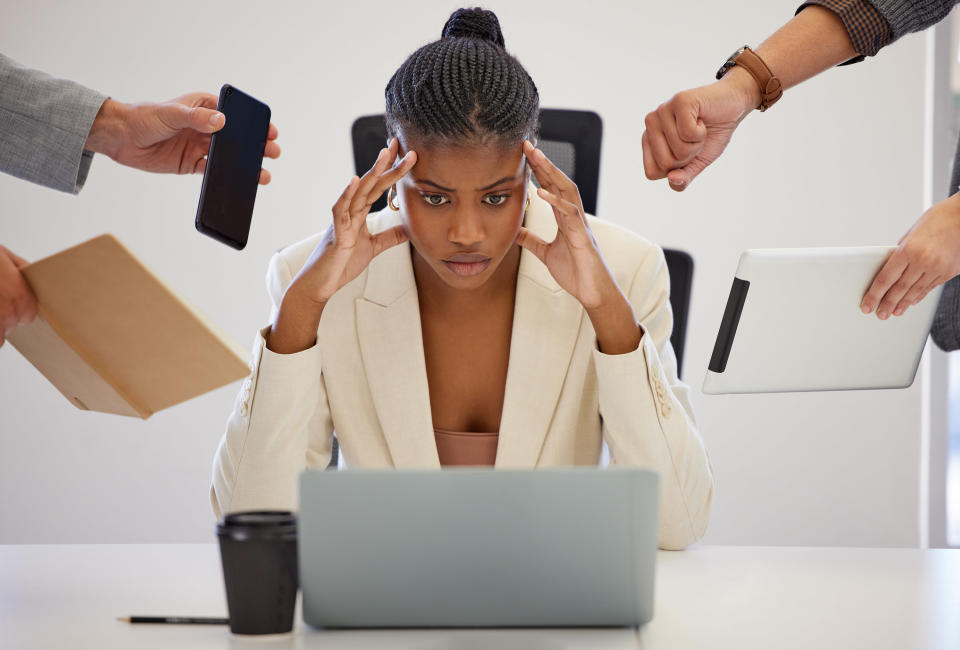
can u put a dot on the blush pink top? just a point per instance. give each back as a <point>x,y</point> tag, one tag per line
<point>456,448</point>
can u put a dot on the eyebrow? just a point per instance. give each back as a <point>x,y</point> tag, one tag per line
<point>447,189</point>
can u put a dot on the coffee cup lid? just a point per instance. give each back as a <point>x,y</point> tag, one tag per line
<point>259,524</point>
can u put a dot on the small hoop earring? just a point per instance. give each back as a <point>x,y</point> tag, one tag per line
<point>390,195</point>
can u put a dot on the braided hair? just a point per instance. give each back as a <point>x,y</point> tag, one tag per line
<point>464,87</point>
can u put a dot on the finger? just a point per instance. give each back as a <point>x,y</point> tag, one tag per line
<point>368,180</point>
<point>547,173</point>
<point>915,296</point>
<point>18,261</point>
<point>650,167</point>
<point>206,100</point>
<point>271,150</point>
<point>265,177</point>
<point>3,339</point>
<point>564,187</point>
<point>683,151</point>
<point>932,286</point>
<point>392,175</point>
<point>893,295</point>
<point>528,150</point>
<point>388,239</point>
<point>912,294</point>
<point>341,209</point>
<point>658,145</point>
<point>272,132</point>
<point>568,216</point>
<point>26,309</point>
<point>889,273</point>
<point>690,127</point>
<point>178,117</point>
<point>533,243</point>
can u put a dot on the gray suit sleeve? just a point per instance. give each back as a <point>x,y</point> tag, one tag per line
<point>907,16</point>
<point>44,122</point>
<point>946,322</point>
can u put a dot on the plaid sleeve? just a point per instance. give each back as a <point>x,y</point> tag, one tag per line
<point>869,31</point>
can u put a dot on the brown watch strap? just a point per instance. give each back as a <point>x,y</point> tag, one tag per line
<point>771,89</point>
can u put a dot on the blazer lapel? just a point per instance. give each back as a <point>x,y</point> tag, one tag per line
<point>391,345</point>
<point>546,323</point>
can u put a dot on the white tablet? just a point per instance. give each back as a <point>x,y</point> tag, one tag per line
<point>793,323</point>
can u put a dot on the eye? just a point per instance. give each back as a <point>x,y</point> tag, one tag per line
<point>496,199</point>
<point>435,199</point>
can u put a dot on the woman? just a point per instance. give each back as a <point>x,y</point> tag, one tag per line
<point>425,336</point>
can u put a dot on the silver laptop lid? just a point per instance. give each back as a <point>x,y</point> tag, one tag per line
<point>478,547</point>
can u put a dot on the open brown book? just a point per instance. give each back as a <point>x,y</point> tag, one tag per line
<point>113,338</point>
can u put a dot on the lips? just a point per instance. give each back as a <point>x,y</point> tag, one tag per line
<point>467,264</point>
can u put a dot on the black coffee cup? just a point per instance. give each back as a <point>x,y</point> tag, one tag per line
<point>259,555</point>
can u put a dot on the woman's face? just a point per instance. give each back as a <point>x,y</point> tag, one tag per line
<point>462,207</point>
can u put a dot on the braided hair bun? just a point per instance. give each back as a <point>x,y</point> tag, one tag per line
<point>474,23</point>
<point>463,88</point>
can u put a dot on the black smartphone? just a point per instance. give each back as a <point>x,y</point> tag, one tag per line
<point>233,168</point>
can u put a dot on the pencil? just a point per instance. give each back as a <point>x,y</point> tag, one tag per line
<point>176,620</point>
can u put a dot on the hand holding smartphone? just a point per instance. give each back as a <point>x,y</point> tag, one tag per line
<point>233,168</point>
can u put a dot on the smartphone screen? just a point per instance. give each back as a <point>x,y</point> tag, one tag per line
<point>233,168</point>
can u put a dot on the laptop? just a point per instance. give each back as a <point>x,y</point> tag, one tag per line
<point>793,323</point>
<point>478,547</point>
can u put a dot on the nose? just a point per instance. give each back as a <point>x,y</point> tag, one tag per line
<point>466,227</point>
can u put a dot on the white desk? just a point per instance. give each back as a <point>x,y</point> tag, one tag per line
<point>707,598</point>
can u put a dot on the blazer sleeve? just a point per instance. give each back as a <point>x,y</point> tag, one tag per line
<point>280,423</point>
<point>945,330</point>
<point>648,420</point>
<point>44,123</point>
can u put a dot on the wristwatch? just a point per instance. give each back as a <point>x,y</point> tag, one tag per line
<point>771,89</point>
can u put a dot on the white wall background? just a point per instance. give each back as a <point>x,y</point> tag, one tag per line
<point>837,162</point>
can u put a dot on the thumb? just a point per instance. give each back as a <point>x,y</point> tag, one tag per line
<point>178,117</point>
<point>533,243</point>
<point>680,179</point>
<point>388,239</point>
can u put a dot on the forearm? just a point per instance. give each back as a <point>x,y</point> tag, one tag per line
<point>295,328</point>
<point>812,41</point>
<point>615,325</point>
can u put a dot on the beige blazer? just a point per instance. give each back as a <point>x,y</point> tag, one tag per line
<point>366,379</point>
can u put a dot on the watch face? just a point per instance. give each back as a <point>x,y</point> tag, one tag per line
<point>725,68</point>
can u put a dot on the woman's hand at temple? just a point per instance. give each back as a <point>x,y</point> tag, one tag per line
<point>574,259</point>
<point>342,254</point>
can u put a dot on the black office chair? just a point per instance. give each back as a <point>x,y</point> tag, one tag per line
<point>571,140</point>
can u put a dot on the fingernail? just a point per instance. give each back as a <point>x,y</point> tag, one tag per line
<point>864,309</point>
<point>882,315</point>
<point>898,311</point>
<point>216,118</point>
<point>679,183</point>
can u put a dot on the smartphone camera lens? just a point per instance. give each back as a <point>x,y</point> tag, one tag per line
<point>229,91</point>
